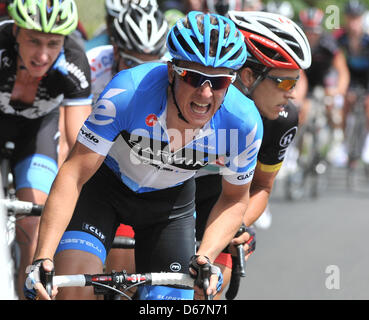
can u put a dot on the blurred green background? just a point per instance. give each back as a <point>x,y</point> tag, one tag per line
<point>92,12</point>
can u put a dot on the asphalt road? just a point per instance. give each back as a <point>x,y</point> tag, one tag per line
<point>315,248</point>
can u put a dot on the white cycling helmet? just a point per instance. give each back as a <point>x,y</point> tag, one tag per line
<point>273,40</point>
<point>114,7</point>
<point>141,29</point>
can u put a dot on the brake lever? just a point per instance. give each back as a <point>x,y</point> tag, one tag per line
<point>204,275</point>
<point>241,263</point>
<point>46,278</point>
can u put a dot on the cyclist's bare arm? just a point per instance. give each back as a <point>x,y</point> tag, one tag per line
<point>223,223</point>
<point>80,165</point>
<point>71,119</point>
<point>261,187</point>
<point>339,63</point>
<point>224,219</point>
<point>74,117</point>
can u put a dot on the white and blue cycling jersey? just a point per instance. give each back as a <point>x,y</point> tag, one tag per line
<point>128,126</point>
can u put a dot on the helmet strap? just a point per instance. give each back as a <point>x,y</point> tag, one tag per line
<point>180,115</point>
<point>242,86</point>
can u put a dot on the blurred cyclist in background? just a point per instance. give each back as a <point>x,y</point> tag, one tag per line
<point>354,42</point>
<point>138,35</point>
<point>326,55</point>
<point>328,72</point>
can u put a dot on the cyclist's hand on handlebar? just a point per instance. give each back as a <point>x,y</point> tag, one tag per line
<point>248,239</point>
<point>37,273</point>
<point>215,280</point>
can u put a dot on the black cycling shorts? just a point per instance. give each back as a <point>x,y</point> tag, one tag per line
<point>163,222</point>
<point>34,160</point>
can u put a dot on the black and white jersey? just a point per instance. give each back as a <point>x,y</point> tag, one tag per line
<point>66,83</point>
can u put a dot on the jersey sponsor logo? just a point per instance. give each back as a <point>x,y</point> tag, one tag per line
<point>82,242</point>
<point>104,112</point>
<point>151,120</point>
<point>184,160</point>
<point>283,114</point>
<point>89,136</point>
<point>287,138</point>
<point>245,176</point>
<point>94,231</point>
<point>175,267</point>
<point>78,73</point>
<point>145,150</point>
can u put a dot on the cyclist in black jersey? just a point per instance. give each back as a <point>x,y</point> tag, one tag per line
<point>41,70</point>
<point>268,77</point>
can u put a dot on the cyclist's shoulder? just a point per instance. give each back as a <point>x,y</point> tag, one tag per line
<point>100,53</point>
<point>142,86</point>
<point>71,67</point>
<point>237,107</point>
<point>286,121</point>
<point>146,77</point>
<point>6,33</point>
<point>74,52</point>
<point>289,116</point>
<point>101,60</point>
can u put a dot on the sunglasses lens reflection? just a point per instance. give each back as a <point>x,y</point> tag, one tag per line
<point>287,84</point>
<point>196,80</point>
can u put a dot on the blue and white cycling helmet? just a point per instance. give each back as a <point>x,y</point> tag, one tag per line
<point>208,39</point>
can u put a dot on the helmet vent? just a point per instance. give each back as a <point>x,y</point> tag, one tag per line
<point>267,52</point>
<point>287,38</point>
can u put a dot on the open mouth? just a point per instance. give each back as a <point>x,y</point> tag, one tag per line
<point>38,65</point>
<point>200,108</point>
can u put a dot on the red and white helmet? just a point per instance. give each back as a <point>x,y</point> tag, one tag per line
<point>273,40</point>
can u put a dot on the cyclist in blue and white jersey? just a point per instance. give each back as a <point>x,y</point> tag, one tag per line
<point>42,70</point>
<point>278,51</point>
<point>138,36</point>
<point>152,128</point>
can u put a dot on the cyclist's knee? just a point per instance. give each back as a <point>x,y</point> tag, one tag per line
<point>33,195</point>
<point>76,262</point>
<point>27,231</point>
<point>121,259</point>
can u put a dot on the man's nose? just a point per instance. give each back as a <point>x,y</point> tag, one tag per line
<point>206,89</point>
<point>291,94</point>
<point>42,54</point>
